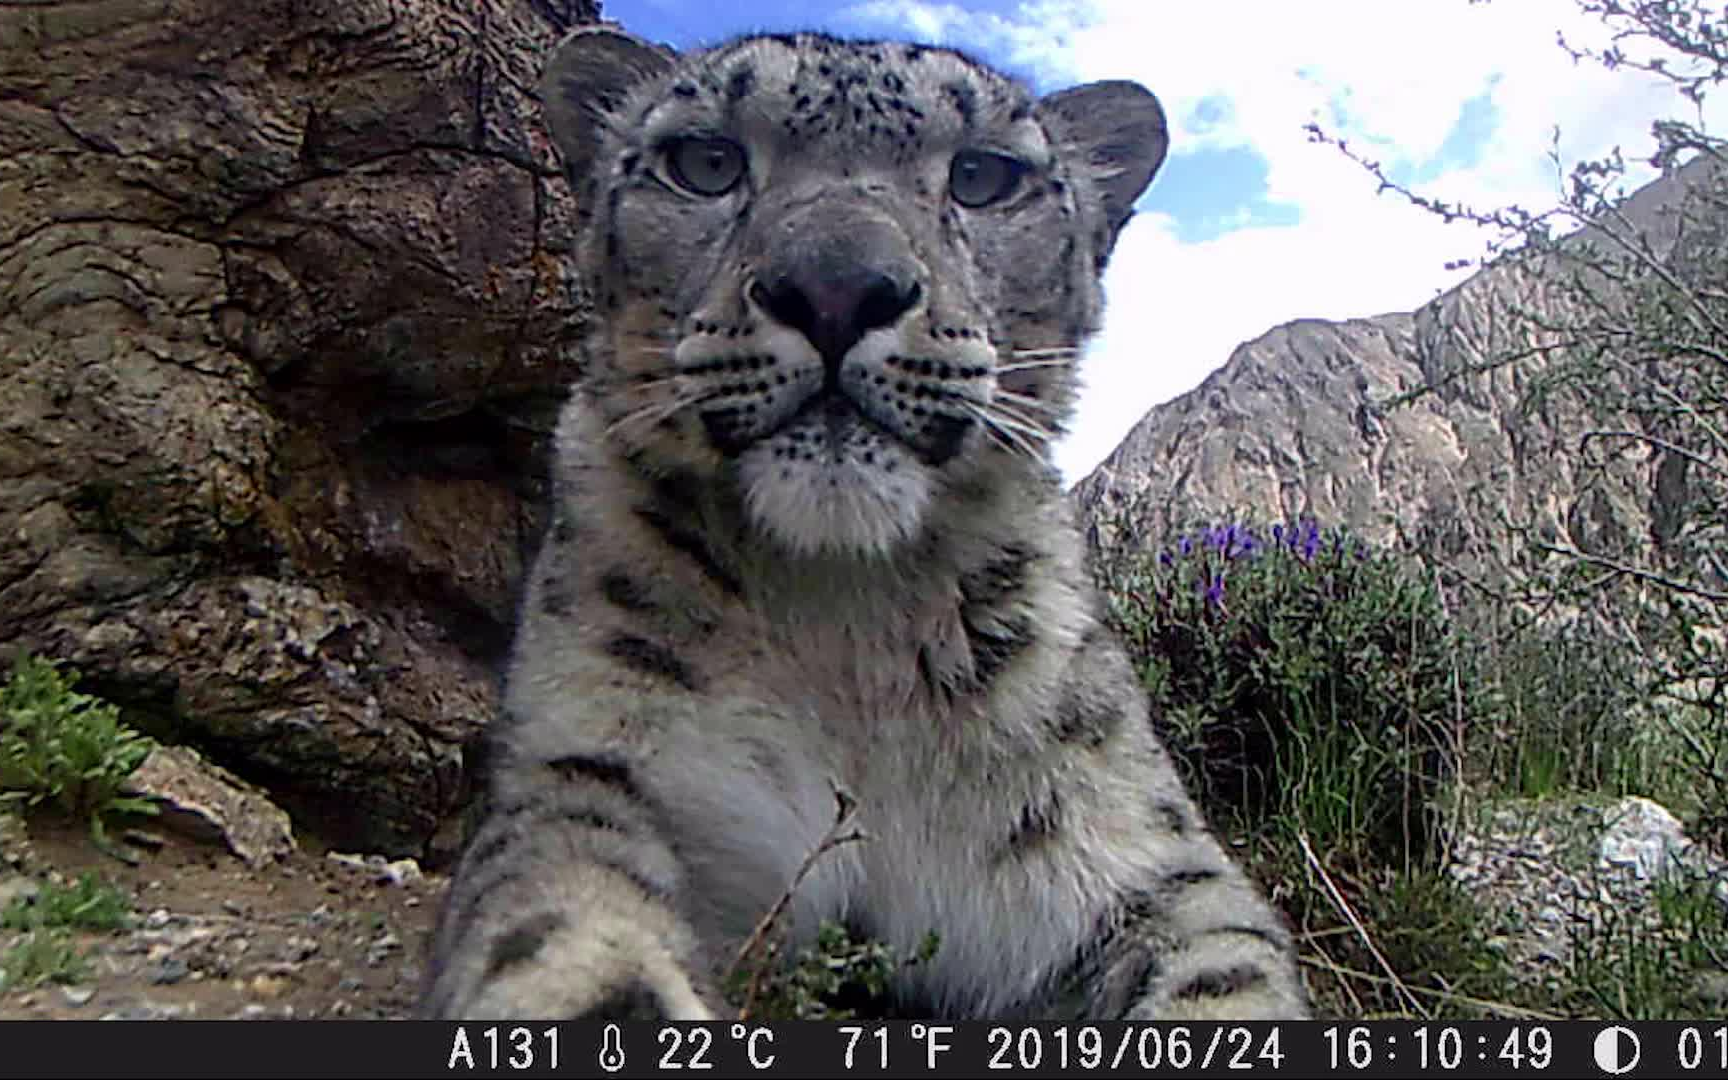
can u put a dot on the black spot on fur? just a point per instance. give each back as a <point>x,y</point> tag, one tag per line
<point>996,579</point>
<point>741,83</point>
<point>1039,824</point>
<point>563,530</point>
<point>652,658</point>
<point>1232,980</point>
<point>964,99</point>
<point>625,591</point>
<point>1188,877</point>
<point>1111,967</point>
<point>555,596</point>
<point>637,1002</point>
<point>691,543</point>
<point>995,644</point>
<point>1081,717</point>
<point>604,767</point>
<point>466,893</point>
<point>523,941</point>
<point>483,851</point>
<point>1172,817</point>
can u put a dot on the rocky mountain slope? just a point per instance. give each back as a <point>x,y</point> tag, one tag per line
<point>1289,427</point>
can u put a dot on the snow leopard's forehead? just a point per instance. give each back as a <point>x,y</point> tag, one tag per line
<point>861,97</point>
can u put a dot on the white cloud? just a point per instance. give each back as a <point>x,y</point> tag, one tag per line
<point>1037,39</point>
<point>1389,76</point>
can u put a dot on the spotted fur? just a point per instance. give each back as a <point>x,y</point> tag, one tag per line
<point>808,534</point>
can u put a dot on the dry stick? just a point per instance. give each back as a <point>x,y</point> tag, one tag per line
<point>845,805</point>
<point>1341,974</point>
<point>1361,932</point>
<point>1500,1007</point>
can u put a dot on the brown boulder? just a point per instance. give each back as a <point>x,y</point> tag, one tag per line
<point>284,319</point>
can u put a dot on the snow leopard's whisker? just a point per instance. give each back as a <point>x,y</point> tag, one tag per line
<point>1053,350</point>
<point>1029,365</point>
<point>1025,401</point>
<point>1000,439</point>
<point>1033,430</point>
<point>654,412</point>
<point>1007,427</point>
<point>1019,412</point>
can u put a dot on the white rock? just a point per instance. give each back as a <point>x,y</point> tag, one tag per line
<point>1642,838</point>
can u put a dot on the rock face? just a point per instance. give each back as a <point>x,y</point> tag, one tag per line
<point>1288,428</point>
<point>284,319</point>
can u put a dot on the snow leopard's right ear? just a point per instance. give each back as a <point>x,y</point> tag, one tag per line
<point>586,79</point>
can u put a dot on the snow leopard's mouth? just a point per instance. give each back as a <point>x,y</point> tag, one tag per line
<point>833,426</point>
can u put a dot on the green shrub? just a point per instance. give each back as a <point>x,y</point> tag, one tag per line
<point>65,748</point>
<point>1303,679</point>
<point>836,978</point>
<point>43,956</point>
<point>86,904</point>
<point>1570,715</point>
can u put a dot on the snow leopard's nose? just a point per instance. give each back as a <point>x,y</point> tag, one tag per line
<point>833,303</point>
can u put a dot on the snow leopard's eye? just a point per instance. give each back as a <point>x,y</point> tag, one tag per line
<point>978,178</point>
<point>706,165</point>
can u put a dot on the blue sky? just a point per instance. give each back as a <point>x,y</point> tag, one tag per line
<point>1250,224</point>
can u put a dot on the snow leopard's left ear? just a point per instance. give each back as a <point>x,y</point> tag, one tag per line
<point>1115,130</point>
<point>586,79</point>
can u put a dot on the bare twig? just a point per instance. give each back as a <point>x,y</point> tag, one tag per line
<point>1349,913</point>
<point>845,806</point>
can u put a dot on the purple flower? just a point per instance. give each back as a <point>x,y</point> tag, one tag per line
<point>1278,533</point>
<point>1185,546</point>
<point>1214,589</point>
<point>1164,559</point>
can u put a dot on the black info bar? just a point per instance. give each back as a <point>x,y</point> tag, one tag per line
<point>815,1049</point>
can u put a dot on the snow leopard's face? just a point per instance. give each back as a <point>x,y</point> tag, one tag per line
<point>845,277</point>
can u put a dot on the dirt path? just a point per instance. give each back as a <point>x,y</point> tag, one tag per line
<point>312,936</point>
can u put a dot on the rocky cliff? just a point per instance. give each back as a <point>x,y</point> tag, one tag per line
<point>1292,425</point>
<point>283,321</point>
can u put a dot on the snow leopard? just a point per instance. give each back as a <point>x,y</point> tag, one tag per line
<point>809,549</point>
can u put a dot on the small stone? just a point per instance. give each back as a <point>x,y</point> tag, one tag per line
<point>169,971</point>
<point>381,948</point>
<point>352,862</point>
<point>18,887</point>
<point>77,996</point>
<point>268,986</point>
<point>299,948</point>
<point>402,872</point>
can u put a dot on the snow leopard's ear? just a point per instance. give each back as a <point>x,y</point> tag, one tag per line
<point>1115,130</point>
<point>586,79</point>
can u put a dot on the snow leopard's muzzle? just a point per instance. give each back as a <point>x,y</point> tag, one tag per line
<point>841,344</point>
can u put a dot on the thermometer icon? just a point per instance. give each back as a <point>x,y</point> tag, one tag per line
<point>611,1048</point>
